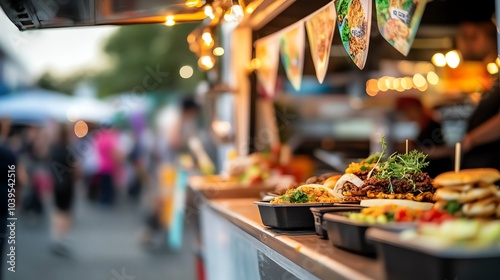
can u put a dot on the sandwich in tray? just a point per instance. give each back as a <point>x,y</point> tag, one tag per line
<point>469,193</point>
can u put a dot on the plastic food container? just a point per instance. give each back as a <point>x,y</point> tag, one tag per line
<point>346,233</point>
<point>318,213</point>
<point>418,259</point>
<point>288,216</point>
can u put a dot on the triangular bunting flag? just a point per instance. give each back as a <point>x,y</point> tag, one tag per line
<point>292,43</point>
<point>398,21</point>
<point>267,54</point>
<point>354,21</point>
<point>320,28</point>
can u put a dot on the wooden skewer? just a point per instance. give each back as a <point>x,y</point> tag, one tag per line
<point>406,146</point>
<point>457,157</point>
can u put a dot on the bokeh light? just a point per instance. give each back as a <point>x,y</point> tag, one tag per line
<point>432,78</point>
<point>439,60</point>
<point>186,72</point>
<point>452,59</point>
<point>81,129</point>
<point>219,51</point>
<point>492,68</point>
<point>419,80</point>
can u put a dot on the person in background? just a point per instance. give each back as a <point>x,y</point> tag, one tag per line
<point>477,41</point>
<point>65,170</point>
<point>35,158</point>
<point>430,139</point>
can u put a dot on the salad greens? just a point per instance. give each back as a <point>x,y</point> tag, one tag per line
<point>296,196</point>
<point>345,33</point>
<point>399,166</point>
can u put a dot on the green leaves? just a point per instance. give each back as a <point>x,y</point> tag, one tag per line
<point>295,196</point>
<point>398,166</point>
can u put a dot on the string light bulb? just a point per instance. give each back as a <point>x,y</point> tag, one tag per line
<point>169,20</point>
<point>219,51</point>
<point>209,11</point>
<point>234,14</point>
<point>207,39</point>
<point>193,3</point>
<point>452,59</point>
<point>206,62</point>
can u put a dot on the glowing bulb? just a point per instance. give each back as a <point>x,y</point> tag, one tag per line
<point>193,3</point>
<point>382,85</point>
<point>255,64</point>
<point>207,39</point>
<point>423,88</point>
<point>169,21</point>
<point>439,60</point>
<point>419,81</point>
<point>389,82</point>
<point>408,84</point>
<point>497,61</point>
<point>235,14</point>
<point>81,129</point>
<point>209,11</point>
<point>396,84</point>
<point>372,87</point>
<point>432,78</point>
<point>452,59</point>
<point>206,62</point>
<point>219,51</point>
<point>492,68</point>
<point>186,72</point>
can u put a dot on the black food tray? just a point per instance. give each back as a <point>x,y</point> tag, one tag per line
<point>346,233</point>
<point>318,213</point>
<point>436,263</point>
<point>288,216</point>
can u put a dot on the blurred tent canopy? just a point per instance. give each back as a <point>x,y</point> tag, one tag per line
<point>36,106</point>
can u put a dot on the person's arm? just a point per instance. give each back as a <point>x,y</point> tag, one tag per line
<point>483,134</point>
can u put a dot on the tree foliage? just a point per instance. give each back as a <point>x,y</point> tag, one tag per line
<point>135,52</point>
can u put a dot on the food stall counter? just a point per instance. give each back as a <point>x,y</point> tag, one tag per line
<point>233,232</point>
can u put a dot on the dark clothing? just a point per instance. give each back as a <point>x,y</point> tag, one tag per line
<point>431,137</point>
<point>107,189</point>
<point>63,177</point>
<point>487,155</point>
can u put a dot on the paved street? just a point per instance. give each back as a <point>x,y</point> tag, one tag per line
<point>105,245</point>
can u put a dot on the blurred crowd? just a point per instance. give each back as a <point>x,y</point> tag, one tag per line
<point>109,163</point>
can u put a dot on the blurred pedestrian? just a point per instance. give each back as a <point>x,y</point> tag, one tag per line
<point>35,158</point>
<point>106,141</point>
<point>65,171</point>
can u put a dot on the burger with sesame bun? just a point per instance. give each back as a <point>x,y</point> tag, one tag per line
<point>469,192</point>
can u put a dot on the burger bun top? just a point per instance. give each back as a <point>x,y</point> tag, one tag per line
<point>467,176</point>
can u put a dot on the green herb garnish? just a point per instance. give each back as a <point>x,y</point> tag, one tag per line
<point>399,166</point>
<point>295,196</point>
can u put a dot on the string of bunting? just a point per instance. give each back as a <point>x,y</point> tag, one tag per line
<point>397,21</point>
